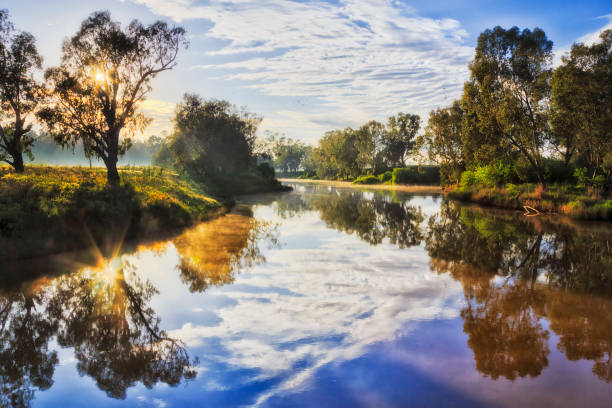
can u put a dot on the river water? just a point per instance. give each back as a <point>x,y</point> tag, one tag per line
<point>321,297</point>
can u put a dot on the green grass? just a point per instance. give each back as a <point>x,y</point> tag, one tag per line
<point>49,209</point>
<point>575,202</point>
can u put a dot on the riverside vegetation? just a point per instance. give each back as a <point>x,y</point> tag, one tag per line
<point>90,101</point>
<point>522,133</point>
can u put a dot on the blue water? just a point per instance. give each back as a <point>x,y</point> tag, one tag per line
<point>325,297</point>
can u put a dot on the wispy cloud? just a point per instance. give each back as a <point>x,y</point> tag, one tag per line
<point>355,60</point>
<point>161,112</point>
<point>589,39</point>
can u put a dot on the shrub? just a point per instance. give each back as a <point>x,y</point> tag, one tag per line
<point>367,179</point>
<point>266,170</point>
<point>386,176</point>
<point>416,175</point>
<point>468,179</point>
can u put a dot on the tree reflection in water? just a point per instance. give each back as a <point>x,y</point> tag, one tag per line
<point>213,252</point>
<point>105,317</point>
<point>372,217</point>
<point>26,363</point>
<point>104,314</point>
<point>512,271</point>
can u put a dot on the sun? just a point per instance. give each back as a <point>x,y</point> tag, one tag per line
<point>99,77</point>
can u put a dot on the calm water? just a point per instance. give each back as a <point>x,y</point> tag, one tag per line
<point>322,297</point>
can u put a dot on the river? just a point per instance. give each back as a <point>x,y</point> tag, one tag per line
<point>320,297</point>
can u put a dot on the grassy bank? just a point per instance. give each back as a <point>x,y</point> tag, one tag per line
<point>52,209</point>
<point>577,203</point>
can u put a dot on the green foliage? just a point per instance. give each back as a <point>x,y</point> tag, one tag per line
<point>20,93</point>
<point>443,142</point>
<point>581,98</point>
<point>423,175</point>
<point>374,147</point>
<point>266,170</point>
<point>385,177</point>
<point>105,71</point>
<point>367,179</point>
<point>213,145</point>
<point>287,155</point>
<point>468,179</point>
<point>488,176</point>
<point>46,203</point>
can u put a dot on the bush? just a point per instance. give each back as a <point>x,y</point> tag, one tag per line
<point>367,179</point>
<point>266,170</point>
<point>488,176</point>
<point>386,176</point>
<point>429,175</point>
<point>468,179</point>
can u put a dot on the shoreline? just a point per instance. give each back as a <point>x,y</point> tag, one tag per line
<point>416,189</point>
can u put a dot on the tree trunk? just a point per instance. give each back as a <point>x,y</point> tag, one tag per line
<point>111,172</point>
<point>18,162</point>
<point>541,178</point>
<point>111,163</point>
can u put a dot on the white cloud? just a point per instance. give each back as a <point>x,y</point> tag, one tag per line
<point>161,112</point>
<point>589,39</point>
<point>333,307</point>
<point>356,60</point>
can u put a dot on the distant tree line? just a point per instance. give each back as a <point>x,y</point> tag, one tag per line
<point>347,153</point>
<point>46,151</point>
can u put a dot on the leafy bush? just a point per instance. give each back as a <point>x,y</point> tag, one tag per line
<point>429,175</point>
<point>266,170</point>
<point>487,176</point>
<point>468,179</point>
<point>386,176</point>
<point>367,179</point>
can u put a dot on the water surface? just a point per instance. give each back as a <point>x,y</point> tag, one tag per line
<point>321,297</point>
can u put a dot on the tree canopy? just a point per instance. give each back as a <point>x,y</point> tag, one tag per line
<point>105,72</point>
<point>20,93</point>
<point>211,138</point>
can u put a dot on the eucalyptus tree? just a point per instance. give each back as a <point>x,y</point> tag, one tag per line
<point>212,139</point>
<point>511,74</point>
<point>400,137</point>
<point>20,93</point>
<point>582,103</point>
<point>105,72</point>
<point>443,142</point>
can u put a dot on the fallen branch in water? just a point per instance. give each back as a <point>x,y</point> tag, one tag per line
<point>530,211</point>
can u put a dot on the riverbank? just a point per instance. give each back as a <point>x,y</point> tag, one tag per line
<point>556,199</point>
<point>51,209</point>
<point>398,187</point>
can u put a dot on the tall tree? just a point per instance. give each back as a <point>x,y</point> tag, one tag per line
<point>582,102</point>
<point>400,137</point>
<point>212,138</point>
<point>288,154</point>
<point>106,71</point>
<point>369,142</point>
<point>19,92</point>
<point>511,73</point>
<point>443,141</point>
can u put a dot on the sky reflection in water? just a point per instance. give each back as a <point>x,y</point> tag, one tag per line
<point>326,297</point>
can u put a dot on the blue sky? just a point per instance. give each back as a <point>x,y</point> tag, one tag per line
<point>312,66</point>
